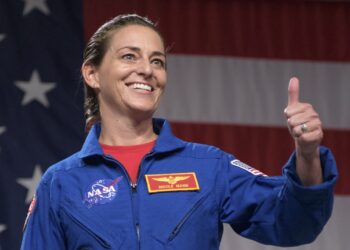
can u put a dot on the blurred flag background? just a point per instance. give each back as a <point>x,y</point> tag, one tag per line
<point>229,67</point>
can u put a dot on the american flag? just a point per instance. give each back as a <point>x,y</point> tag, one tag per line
<point>229,66</point>
<point>41,115</point>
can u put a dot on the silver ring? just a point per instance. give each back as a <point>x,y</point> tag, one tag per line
<point>304,128</point>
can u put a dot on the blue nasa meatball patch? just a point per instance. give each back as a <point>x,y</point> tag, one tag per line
<point>101,192</point>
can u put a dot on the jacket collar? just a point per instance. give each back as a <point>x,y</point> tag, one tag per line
<point>166,141</point>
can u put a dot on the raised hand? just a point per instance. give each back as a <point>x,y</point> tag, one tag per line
<point>303,121</point>
<point>306,128</point>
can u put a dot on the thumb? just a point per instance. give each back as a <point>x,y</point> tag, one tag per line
<point>293,91</point>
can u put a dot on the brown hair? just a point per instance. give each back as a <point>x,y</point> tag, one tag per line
<point>94,53</point>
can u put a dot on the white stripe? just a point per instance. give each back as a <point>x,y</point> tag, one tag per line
<point>252,91</point>
<point>332,237</point>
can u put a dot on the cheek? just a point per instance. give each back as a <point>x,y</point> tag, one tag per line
<point>116,72</point>
<point>120,74</point>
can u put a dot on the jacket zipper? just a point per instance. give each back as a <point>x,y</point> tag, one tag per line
<point>133,194</point>
<point>178,227</point>
<point>135,209</point>
<point>134,200</point>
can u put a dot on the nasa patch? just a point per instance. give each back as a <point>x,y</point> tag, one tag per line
<point>101,192</point>
<point>238,163</point>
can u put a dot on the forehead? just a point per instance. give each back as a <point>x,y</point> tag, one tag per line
<point>136,36</point>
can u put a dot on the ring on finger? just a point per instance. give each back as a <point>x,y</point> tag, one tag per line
<point>304,128</point>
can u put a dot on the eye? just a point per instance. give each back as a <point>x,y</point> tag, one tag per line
<point>129,57</point>
<point>158,62</point>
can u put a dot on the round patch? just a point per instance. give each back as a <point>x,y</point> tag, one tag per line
<point>101,192</point>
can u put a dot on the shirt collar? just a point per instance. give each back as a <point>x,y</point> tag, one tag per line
<point>166,141</point>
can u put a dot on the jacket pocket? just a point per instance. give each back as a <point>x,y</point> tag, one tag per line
<point>186,217</point>
<point>96,234</point>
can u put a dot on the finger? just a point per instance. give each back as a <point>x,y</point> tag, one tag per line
<point>293,91</point>
<point>302,117</point>
<point>311,126</point>
<point>299,109</point>
<point>310,138</point>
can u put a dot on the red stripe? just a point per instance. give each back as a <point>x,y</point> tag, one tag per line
<point>264,29</point>
<point>265,148</point>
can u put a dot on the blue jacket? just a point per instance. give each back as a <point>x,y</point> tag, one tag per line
<point>87,201</point>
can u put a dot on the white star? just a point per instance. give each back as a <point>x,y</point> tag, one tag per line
<point>35,89</point>
<point>2,37</point>
<point>35,4</point>
<point>31,183</point>
<point>2,228</point>
<point>2,129</point>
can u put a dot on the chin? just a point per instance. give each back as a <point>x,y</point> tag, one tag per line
<point>147,110</point>
<point>144,106</point>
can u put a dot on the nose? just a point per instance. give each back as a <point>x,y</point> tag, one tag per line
<point>145,68</point>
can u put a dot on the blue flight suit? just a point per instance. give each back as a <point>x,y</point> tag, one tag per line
<point>87,201</point>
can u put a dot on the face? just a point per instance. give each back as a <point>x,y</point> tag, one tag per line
<point>132,75</point>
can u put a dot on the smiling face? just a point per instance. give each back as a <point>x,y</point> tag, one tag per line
<point>131,77</point>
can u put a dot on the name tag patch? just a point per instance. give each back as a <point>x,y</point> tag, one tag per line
<point>172,182</point>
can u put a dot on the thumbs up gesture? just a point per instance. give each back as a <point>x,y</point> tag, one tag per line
<point>306,128</point>
<point>304,123</point>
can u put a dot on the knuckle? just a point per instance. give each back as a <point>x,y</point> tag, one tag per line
<point>309,106</point>
<point>295,132</point>
<point>315,115</point>
<point>303,137</point>
<point>287,112</point>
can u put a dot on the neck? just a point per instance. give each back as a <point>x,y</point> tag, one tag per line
<point>124,131</point>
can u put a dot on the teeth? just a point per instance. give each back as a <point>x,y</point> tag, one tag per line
<point>141,86</point>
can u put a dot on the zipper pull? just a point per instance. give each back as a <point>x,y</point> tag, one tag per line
<point>133,187</point>
<point>138,231</point>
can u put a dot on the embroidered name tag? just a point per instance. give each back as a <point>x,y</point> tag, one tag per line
<point>171,182</point>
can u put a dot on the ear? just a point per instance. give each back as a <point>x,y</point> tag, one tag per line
<point>90,75</point>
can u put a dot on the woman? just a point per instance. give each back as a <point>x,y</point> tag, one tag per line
<point>135,185</point>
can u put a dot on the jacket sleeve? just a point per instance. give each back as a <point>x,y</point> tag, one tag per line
<point>42,229</point>
<point>275,210</point>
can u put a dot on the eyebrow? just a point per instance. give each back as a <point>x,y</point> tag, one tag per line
<point>137,49</point>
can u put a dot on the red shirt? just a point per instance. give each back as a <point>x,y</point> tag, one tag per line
<point>129,156</point>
